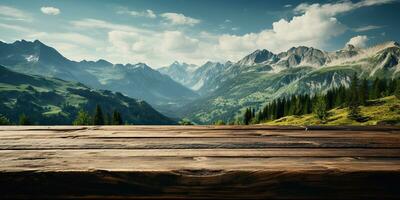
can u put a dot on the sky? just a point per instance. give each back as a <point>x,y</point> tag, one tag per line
<point>159,32</point>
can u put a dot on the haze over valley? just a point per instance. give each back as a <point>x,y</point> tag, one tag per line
<point>201,78</point>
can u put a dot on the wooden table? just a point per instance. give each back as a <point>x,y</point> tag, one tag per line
<point>239,162</point>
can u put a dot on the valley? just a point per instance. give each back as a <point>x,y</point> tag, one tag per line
<point>213,91</point>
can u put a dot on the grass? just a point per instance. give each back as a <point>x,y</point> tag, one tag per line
<point>380,111</point>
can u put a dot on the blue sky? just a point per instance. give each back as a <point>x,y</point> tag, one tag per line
<point>159,32</point>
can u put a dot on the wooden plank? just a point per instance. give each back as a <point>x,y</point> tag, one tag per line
<point>198,143</point>
<point>199,162</point>
<point>126,160</point>
<point>269,152</point>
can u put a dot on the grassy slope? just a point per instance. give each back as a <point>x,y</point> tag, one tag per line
<point>44,99</point>
<point>380,110</point>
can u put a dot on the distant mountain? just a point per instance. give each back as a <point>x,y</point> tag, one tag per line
<point>263,76</point>
<point>180,72</point>
<point>55,101</point>
<point>198,78</point>
<point>134,80</point>
<point>139,80</point>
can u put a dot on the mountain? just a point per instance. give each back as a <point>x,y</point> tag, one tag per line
<point>180,72</point>
<point>37,58</point>
<point>139,80</point>
<point>135,80</point>
<point>198,78</point>
<point>263,76</point>
<point>55,101</point>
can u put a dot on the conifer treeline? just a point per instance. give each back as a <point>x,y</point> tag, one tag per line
<point>358,93</point>
<point>84,118</point>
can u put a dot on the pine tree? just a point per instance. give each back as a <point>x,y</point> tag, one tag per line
<point>392,86</point>
<point>354,113</point>
<point>397,90</point>
<point>354,109</point>
<point>4,120</point>
<point>307,105</point>
<point>98,118</point>
<point>271,111</point>
<point>378,88</point>
<point>364,92</point>
<point>320,108</point>
<point>83,118</point>
<point>341,96</point>
<point>265,113</point>
<point>219,122</point>
<point>259,116</point>
<point>185,122</point>
<point>24,120</point>
<point>383,87</point>
<point>353,91</point>
<point>330,99</point>
<point>286,106</point>
<point>116,119</point>
<point>247,116</point>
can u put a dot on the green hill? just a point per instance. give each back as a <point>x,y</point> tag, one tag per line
<point>385,111</point>
<point>55,101</point>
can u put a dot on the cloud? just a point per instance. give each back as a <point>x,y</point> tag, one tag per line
<point>72,45</point>
<point>367,28</point>
<point>15,27</point>
<point>311,28</point>
<point>339,7</point>
<point>69,37</point>
<point>11,13</point>
<point>147,13</point>
<point>89,23</point>
<point>179,19</point>
<point>178,42</point>
<point>358,41</point>
<point>312,25</point>
<point>287,5</point>
<point>50,10</point>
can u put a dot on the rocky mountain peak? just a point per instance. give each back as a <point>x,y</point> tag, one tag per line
<point>103,62</point>
<point>349,47</point>
<point>258,56</point>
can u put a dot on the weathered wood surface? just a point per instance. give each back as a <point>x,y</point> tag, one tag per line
<point>200,162</point>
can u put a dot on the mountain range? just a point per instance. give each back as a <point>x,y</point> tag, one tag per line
<point>263,76</point>
<point>135,80</point>
<point>213,91</point>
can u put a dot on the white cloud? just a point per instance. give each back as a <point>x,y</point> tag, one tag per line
<point>313,25</point>
<point>287,5</point>
<point>155,49</point>
<point>147,13</point>
<point>64,37</point>
<point>358,41</point>
<point>179,19</point>
<point>178,42</point>
<point>89,23</point>
<point>11,13</point>
<point>312,28</point>
<point>367,28</point>
<point>339,7</point>
<point>50,10</point>
<point>72,45</point>
<point>15,27</point>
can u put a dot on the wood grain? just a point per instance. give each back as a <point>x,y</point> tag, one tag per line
<point>226,162</point>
